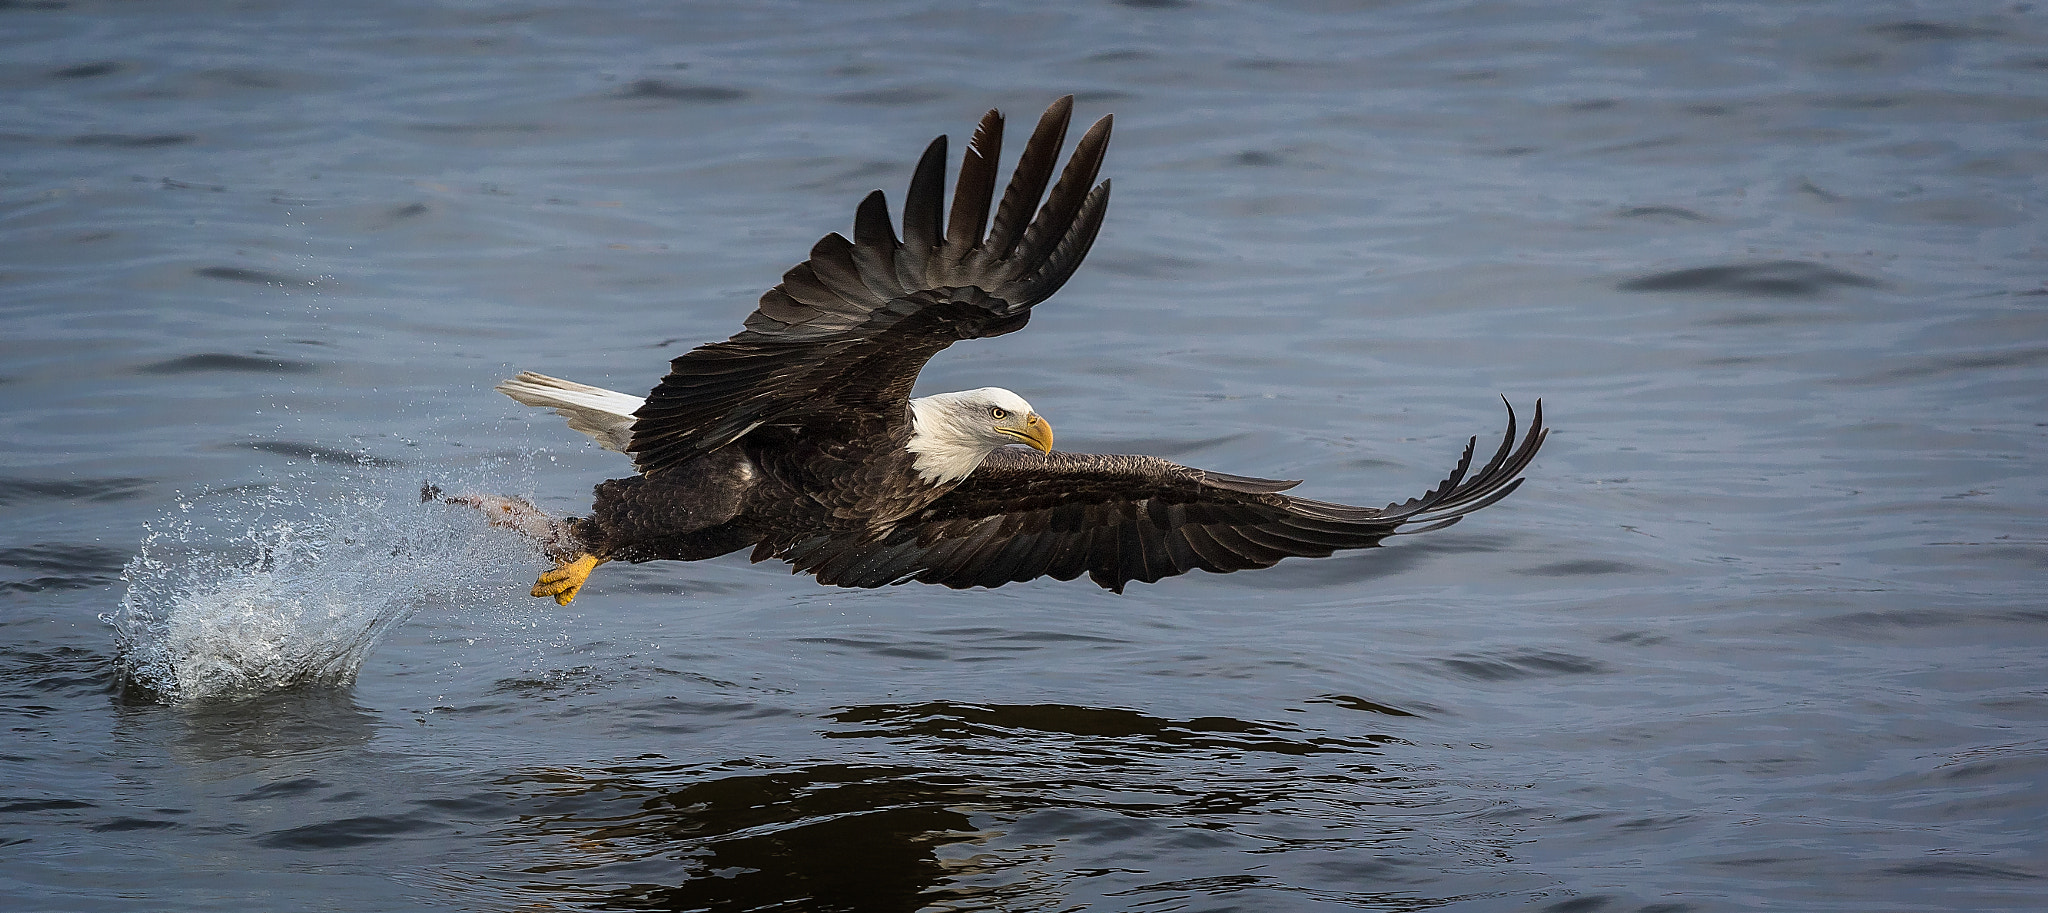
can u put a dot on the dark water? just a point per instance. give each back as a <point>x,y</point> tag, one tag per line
<point>1765,629</point>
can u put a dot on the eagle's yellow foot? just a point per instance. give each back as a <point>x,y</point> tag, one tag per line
<point>567,578</point>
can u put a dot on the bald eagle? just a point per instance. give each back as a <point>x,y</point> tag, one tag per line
<point>798,437</point>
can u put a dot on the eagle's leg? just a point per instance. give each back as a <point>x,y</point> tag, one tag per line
<point>556,536</point>
<point>566,580</point>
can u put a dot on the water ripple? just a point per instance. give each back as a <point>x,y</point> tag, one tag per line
<point>211,362</point>
<point>16,490</point>
<point>664,90</point>
<point>1775,279</point>
<point>61,566</point>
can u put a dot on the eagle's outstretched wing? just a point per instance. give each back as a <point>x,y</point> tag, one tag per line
<point>843,336</point>
<point>1124,518</point>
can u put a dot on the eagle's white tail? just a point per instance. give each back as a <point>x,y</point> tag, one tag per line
<point>605,415</point>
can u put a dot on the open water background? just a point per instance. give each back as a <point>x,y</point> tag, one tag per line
<point>1764,630</point>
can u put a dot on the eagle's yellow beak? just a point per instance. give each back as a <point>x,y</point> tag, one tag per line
<point>1034,431</point>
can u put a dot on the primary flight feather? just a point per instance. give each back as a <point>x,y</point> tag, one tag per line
<point>798,437</point>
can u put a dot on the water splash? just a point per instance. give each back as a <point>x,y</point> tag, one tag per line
<point>248,594</point>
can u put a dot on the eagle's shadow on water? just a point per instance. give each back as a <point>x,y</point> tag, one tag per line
<point>837,836</point>
<point>980,806</point>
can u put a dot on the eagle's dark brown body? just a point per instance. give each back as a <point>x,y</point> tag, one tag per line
<point>747,492</point>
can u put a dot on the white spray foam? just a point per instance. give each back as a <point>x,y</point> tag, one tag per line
<point>300,588</point>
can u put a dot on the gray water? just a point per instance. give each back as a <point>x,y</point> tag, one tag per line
<point>1763,630</point>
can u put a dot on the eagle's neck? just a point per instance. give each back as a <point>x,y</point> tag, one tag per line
<point>946,448</point>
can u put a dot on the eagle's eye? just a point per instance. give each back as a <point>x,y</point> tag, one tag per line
<point>997,412</point>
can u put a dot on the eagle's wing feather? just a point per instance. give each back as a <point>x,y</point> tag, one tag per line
<point>1122,518</point>
<point>844,335</point>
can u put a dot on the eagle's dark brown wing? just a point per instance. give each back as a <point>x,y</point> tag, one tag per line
<point>844,335</point>
<point>1124,518</point>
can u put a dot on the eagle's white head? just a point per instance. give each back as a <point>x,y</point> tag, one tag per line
<point>951,433</point>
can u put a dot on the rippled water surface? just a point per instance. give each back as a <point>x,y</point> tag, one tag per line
<point>1764,629</point>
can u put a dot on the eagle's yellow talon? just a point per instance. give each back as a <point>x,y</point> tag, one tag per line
<point>567,578</point>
